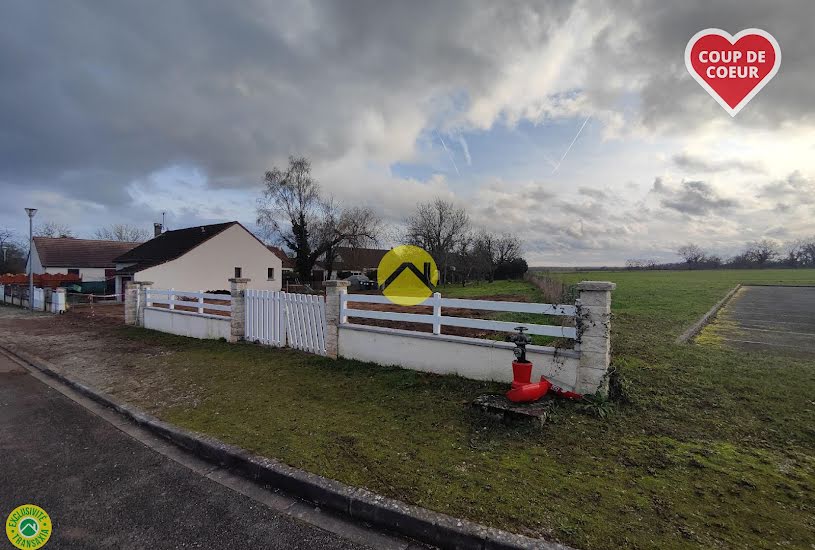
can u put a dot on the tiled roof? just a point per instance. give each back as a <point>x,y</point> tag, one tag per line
<point>169,246</point>
<point>288,263</point>
<point>70,252</point>
<point>357,259</point>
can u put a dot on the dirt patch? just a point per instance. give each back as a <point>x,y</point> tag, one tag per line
<point>86,343</point>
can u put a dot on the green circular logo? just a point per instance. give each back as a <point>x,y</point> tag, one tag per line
<point>28,526</point>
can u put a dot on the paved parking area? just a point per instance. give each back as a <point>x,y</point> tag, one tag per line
<point>769,318</point>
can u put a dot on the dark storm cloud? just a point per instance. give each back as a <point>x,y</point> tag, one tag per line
<point>129,88</point>
<point>695,198</point>
<point>693,163</point>
<point>795,189</point>
<point>653,52</point>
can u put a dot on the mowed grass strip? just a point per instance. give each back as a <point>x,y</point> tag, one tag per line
<point>715,449</point>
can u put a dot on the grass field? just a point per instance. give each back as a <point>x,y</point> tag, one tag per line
<point>715,449</point>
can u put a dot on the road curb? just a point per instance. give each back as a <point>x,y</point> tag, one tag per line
<point>359,504</point>
<point>707,317</point>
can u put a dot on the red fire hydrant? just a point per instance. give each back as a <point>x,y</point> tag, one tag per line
<point>523,389</point>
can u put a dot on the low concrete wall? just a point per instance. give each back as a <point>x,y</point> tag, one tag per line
<point>443,354</point>
<point>185,323</point>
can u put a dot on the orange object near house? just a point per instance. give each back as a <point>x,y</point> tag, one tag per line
<point>41,280</point>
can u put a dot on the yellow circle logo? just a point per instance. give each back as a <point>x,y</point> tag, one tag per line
<point>407,275</point>
<point>28,526</point>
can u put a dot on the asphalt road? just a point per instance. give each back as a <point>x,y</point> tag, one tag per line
<point>771,318</point>
<point>104,489</point>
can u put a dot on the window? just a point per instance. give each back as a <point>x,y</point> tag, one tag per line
<point>73,271</point>
<point>238,272</point>
<point>270,273</point>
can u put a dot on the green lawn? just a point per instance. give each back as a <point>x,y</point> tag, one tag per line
<point>716,448</point>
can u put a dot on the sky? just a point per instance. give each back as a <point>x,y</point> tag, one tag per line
<point>573,124</point>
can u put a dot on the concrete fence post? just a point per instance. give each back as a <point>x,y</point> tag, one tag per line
<point>594,335</point>
<point>59,304</point>
<point>237,288</point>
<point>333,291</point>
<point>48,299</point>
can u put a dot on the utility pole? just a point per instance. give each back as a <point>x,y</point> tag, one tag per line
<point>30,212</point>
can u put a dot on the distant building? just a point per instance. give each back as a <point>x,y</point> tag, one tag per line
<point>91,260</point>
<point>201,258</point>
<point>356,261</point>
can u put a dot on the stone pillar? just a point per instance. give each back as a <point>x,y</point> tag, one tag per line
<point>333,290</point>
<point>237,287</point>
<point>593,335</point>
<point>141,300</point>
<point>131,303</point>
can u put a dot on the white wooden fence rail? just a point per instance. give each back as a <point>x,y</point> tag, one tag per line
<point>438,320</point>
<point>281,318</point>
<point>173,298</point>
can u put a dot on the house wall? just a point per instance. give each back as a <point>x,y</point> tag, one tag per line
<point>210,265</point>
<point>34,259</point>
<point>88,274</point>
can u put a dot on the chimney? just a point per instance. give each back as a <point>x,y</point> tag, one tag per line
<point>157,227</point>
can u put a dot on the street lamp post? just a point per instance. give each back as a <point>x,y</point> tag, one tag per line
<point>30,212</point>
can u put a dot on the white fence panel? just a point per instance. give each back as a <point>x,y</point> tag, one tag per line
<point>265,317</point>
<point>438,320</point>
<point>305,322</point>
<point>173,298</point>
<point>39,299</point>
<point>283,318</point>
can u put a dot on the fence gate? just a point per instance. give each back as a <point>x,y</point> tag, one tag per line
<point>283,318</point>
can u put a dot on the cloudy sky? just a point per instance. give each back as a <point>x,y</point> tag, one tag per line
<point>572,123</point>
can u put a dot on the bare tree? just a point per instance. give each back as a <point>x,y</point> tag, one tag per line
<point>801,252</point>
<point>491,251</point>
<point>53,229</point>
<point>761,252</point>
<point>292,210</point>
<point>122,232</point>
<point>12,253</point>
<point>692,254</point>
<point>440,228</point>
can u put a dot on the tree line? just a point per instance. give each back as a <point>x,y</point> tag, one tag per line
<point>756,254</point>
<point>293,211</point>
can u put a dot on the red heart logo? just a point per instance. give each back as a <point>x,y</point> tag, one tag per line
<point>733,69</point>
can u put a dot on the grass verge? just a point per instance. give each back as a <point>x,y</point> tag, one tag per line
<point>716,448</point>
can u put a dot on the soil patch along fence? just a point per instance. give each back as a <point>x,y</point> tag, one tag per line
<point>323,325</point>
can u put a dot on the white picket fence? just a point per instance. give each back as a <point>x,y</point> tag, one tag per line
<point>283,318</point>
<point>438,320</point>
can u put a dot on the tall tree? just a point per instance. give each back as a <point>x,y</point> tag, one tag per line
<point>293,210</point>
<point>692,254</point>
<point>761,252</point>
<point>439,227</point>
<point>122,232</point>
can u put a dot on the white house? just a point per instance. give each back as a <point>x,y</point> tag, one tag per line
<point>92,260</point>
<point>201,258</point>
